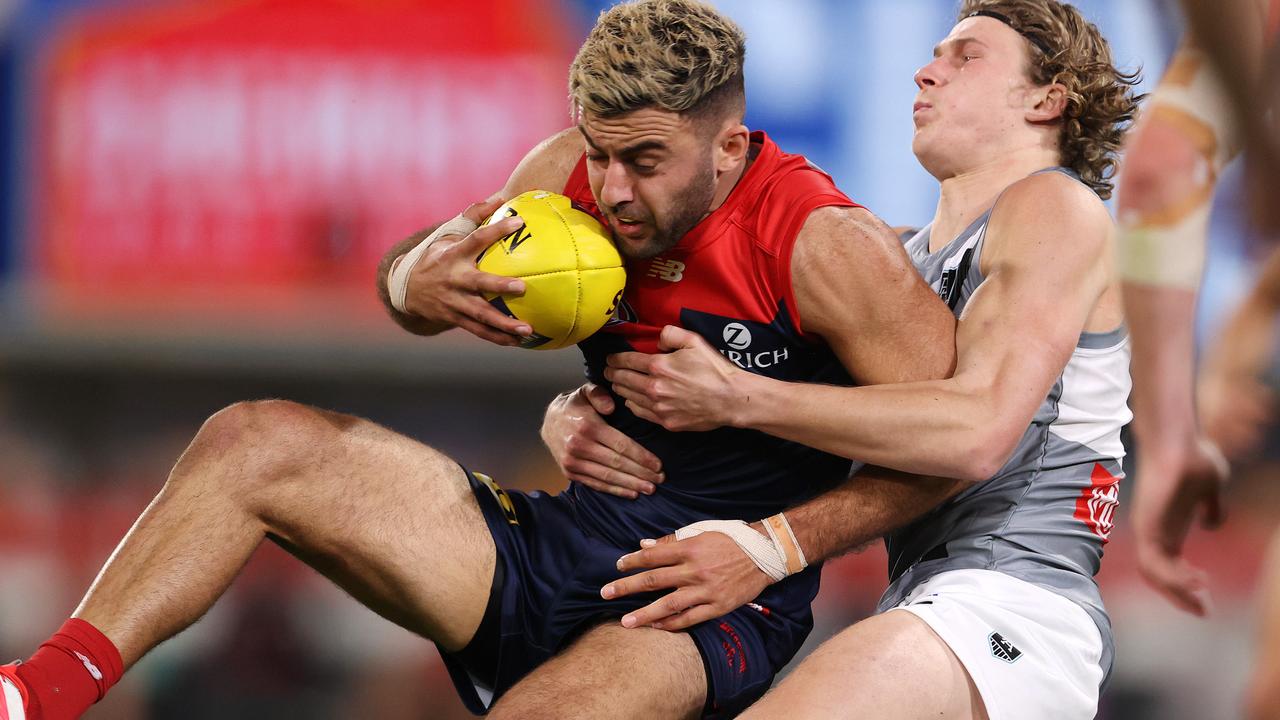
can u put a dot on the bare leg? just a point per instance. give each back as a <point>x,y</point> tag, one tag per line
<point>890,666</point>
<point>613,672</point>
<point>390,520</point>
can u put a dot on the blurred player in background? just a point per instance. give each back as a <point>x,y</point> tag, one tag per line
<point>1208,107</point>
<point>721,228</point>
<point>1019,117</point>
<point>1186,137</point>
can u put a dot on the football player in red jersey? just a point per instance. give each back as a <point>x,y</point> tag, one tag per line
<point>507,584</point>
<point>992,609</point>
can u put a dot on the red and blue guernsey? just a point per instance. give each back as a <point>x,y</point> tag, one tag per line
<point>729,279</point>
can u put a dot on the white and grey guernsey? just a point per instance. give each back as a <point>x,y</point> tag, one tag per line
<point>1044,517</point>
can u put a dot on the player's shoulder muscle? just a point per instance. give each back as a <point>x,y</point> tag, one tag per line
<point>845,236</point>
<point>840,255</point>
<point>548,165</point>
<point>855,287</point>
<point>1047,209</point>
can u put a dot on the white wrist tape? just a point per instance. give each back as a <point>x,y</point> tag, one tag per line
<point>784,539</point>
<point>768,553</point>
<point>398,277</point>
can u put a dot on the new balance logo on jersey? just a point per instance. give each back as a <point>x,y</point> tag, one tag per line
<point>1003,649</point>
<point>669,270</point>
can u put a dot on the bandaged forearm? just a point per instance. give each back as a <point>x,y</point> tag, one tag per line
<point>402,268</point>
<point>1164,244</point>
<point>777,555</point>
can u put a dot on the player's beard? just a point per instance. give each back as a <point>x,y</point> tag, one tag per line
<point>693,203</point>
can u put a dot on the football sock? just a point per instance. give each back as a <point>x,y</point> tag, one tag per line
<point>70,672</point>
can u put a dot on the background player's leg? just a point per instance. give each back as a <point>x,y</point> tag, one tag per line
<point>390,520</point>
<point>616,673</point>
<point>891,666</point>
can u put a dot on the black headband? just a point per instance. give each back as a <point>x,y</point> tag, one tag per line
<point>1044,47</point>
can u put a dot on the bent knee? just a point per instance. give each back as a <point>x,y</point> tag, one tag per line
<point>1161,169</point>
<point>262,439</point>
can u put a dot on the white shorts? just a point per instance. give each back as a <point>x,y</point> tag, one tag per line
<point>1031,653</point>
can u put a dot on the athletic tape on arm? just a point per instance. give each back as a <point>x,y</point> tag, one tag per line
<point>770,554</point>
<point>1165,246</point>
<point>398,276</point>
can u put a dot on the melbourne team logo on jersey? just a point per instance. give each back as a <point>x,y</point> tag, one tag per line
<point>1096,506</point>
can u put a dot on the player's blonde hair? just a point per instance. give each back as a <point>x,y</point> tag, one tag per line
<point>1101,104</point>
<point>677,55</point>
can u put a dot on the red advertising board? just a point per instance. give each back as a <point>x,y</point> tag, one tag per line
<point>229,156</point>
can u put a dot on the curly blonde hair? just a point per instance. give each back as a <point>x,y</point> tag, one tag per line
<point>676,55</point>
<point>1065,48</point>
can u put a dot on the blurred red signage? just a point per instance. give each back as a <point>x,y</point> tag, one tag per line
<point>222,154</point>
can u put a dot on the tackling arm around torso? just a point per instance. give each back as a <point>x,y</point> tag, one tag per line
<point>1047,266</point>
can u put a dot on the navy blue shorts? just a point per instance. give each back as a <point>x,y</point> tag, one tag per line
<point>546,593</point>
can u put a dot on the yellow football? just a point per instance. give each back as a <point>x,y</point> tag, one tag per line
<point>572,271</point>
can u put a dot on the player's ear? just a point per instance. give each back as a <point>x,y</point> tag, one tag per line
<point>731,146</point>
<point>1049,103</point>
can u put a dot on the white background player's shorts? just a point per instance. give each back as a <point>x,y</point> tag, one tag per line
<point>1032,653</point>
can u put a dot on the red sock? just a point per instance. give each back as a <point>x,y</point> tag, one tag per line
<point>73,670</point>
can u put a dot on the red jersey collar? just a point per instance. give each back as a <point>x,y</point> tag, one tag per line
<point>740,198</point>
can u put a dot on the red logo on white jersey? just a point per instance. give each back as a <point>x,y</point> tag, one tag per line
<point>1096,506</point>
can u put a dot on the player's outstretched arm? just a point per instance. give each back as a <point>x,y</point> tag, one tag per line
<point>429,282</point>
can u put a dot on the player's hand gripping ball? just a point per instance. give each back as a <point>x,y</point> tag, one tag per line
<point>572,271</point>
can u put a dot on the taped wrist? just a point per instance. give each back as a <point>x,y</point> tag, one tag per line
<point>777,555</point>
<point>398,275</point>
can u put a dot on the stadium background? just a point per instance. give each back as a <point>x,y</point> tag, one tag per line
<point>192,199</point>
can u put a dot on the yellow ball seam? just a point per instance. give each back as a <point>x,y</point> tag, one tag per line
<point>577,278</point>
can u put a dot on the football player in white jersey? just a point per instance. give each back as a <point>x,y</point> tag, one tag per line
<point>1002,621</point>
